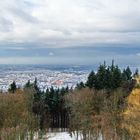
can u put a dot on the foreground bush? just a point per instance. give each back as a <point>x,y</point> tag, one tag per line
<point>132,115</point>
<point>95,114</point>
<point>16,118</point>
<point>83,111</point>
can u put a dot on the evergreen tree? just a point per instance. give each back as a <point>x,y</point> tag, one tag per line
<point>36,85</point>
<point>112,66</point>
<point>117,78</point>
<point>136,74</point>
<point>127,74</point>
<point>101,77</point>
<point>67,89</point>
<point>91,80</point>
<point>38,93</point>
<point>13,87</point>
<point>108,78</point>
<point>52,92</point>
<point>50,99</point>
<point>80,85</point>
<point>124,76</point>
<point>62,91</point>
<point>28,84</point>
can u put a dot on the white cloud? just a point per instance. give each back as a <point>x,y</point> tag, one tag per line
<point>62,23</point>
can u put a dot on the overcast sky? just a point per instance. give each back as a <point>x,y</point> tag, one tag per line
<point>69,31</point>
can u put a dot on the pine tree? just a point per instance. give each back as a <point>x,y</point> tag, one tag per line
<point>28,84</point>
<point>124,76</point>
<point>80,85</point>
<point>36,85</point>
<point>101,77</point>
<point>117,78</point>
<point>38,92</point>
<point>136,74</point>
<point>13,87</point>
<point>108,78</point>
<point>91,80</point>
<point>127,74</point>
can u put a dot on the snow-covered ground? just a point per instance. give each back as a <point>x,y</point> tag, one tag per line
<point>60,136</point>
<point>56,136</point>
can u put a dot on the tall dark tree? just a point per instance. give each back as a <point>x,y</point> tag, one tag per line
<point>127,74</point>
<point>116,78</point>
<point>80,85</point>
<point>39,106</point>
<point>13,87</point>
<point>37,94</point>
<point>36,85</point>
<point>101,77</point>
<point>136,73</point>
<point>28,84</point>
<point>108,78</point>
<point>91,80</point>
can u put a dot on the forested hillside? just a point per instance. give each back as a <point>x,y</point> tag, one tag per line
<point>106,106</point>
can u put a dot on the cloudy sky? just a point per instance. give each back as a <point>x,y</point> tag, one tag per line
<point>69,31</point>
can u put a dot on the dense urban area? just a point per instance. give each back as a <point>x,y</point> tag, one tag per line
<point>46,78</point>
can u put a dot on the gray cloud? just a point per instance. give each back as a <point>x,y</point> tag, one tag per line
<point>69,31</point>
<point>5,25</point>
<point>70,22</point>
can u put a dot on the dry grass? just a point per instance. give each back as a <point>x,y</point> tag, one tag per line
<point>132,114</point>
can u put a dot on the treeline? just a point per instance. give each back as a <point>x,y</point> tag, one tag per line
<point>93,109</point>
<point>25,112</point>
<point>102,108</point>
<point>48,105</point>
<point>51,107</point>
<point>109,78</point>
